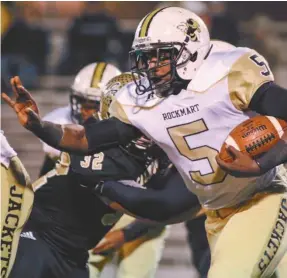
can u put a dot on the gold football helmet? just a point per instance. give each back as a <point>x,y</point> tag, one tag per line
<point>110,90</point>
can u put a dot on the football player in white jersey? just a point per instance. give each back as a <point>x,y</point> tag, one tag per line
<point>87,92</point>
<point>16,203</point>
<point>188,100</point>
<point>197,239</point>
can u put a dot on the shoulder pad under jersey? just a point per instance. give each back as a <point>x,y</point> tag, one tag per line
<point>216,67</point>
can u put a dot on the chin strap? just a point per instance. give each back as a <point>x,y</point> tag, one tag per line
<point>179,84</point>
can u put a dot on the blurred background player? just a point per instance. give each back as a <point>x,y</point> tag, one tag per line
<point>137,258</point>
<point>85,95</point>
<point>138,248</point>
<point>16,203</point>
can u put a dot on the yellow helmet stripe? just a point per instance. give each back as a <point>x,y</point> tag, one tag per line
<point>98,74</point>
<point>147,21</point>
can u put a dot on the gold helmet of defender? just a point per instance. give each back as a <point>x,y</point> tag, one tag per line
<point>110,90</point>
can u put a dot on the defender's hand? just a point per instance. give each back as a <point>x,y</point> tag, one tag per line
<point>242,165</point>
<point>24,105</point>
<point>112,241</point>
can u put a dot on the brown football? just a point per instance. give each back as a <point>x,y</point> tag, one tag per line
<point>254,136</point>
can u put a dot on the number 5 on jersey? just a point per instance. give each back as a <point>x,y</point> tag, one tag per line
<point>259,61</point>
<point>178,134</point>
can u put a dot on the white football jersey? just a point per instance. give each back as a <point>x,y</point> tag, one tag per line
<point>60,115</point>
<point>192,126</point>
<point>7,152</point>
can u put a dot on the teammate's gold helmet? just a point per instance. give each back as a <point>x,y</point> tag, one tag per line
<point>110,90</point>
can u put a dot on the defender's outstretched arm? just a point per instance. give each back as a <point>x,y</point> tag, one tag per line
<point>75,138</point>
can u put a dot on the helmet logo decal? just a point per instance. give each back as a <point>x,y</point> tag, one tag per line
<point>193,26</point>
<point>190,27</point>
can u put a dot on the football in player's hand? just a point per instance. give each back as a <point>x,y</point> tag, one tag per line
<point>254,136</point>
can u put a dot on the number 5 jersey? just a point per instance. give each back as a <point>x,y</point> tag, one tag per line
<point>192,126</point>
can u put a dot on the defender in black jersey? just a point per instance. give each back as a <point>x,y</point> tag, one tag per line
<point>67,220</point>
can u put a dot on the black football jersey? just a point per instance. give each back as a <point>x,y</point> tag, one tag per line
<point>65,213</point>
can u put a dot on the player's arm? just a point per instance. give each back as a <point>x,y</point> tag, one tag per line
<point>255,90</point>
<point>163,205</point>
<point>271,99</point>
<point>137,229</point>
<point>116,238</point>
<point>86,139</point>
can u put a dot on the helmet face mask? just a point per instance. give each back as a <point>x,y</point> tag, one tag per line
<point>165,58</point>
<point>82,106</point>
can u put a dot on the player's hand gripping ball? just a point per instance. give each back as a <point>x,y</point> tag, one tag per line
<point>254,136</point>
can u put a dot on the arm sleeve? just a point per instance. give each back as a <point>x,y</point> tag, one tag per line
<point>137,229</point>
<point>109,133</point>
<point>247,74</point>
<point>270,99</point>
<point>156,205</point>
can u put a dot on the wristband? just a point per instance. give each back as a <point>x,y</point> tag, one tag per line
<point>48,132</point>
<point>275,156</point>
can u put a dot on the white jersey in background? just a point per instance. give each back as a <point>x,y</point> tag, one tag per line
<point>192,126</point>
<point>7,151</point>
<point>60,115</point>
